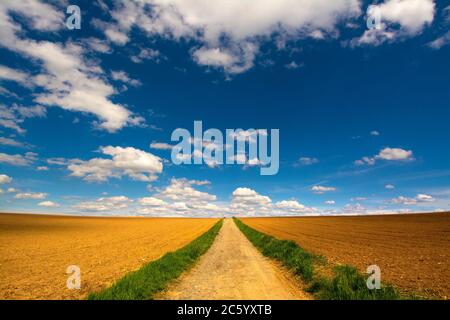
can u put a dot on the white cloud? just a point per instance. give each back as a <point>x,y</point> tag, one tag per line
<point>395,154</point>
<point>7,73</point>
<point>440,41</point>
<point>58,161</point>
<point>353,209</point>
<point>374,133</point>
<point>358,199</point>
<point>249,196</point>
<point>31,195</point>
<point>116,36</point>
<point>104,204</point>
<point>306,161</point>
<point>293,65</point>
<point>330,202</point>
<point>229,32</point>
<point>134,163</point>
<point>98,45</point>
<point>292,207</point>
<point>146,54</point>
<point>42,168</point>
<point>419,199</point>
<point>68,79</point>
<point>424,198</point>
<point>125,78</point>
<point>179,198</point>
<point>399,19</point>
<point>48,204</point>
<point>11,117</point>
<point>161,146</point>
<point>5,179</point>
<point>152,202</point>
<point>235,60</point>
<point>248,202</point>
<point>387,154</point>
<point>411,15</point>
<point>389,186</point>
<point>16,159</point>
<point>12,190</point>
<point>322,189</point>
<point>181,190</point>
<point>10,142</point>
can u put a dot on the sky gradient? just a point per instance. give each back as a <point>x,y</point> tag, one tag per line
<point>86,115</point>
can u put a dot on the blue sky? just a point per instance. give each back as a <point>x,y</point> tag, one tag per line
<point>363,113</point>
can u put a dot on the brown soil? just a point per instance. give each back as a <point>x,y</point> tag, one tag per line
<point>35,250</point>
<point>413,251</point>
<point>233,269</point>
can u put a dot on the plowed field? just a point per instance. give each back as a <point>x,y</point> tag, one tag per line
<point>35,250</point>
<point>413,250</point>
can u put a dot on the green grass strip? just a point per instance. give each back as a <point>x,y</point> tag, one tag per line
<point>346,284</point>
<point>154,277</point>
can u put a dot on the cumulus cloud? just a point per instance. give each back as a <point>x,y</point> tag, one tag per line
<point>134,163</point>
<point>152,202</point>
<point>125,78</point>
<point>48,204</point>
<point>67,79</point>
<point>387,154</point>
<point>5,179</point>
<point>418,199</point>
<point>177,199</point>
<point>236,60</point>
<point>330,202</point>
<point>181,190</point>
<point>31,195</point>
<point>322,189</point>
<point>228,34</point>
<point>389,186</point>
<point>18,159</point>
<point>7,73</point>
<point>353,209</point>
<point>98,45</point>
<point>147,54</point>
<point>180,198</point>
<point>104,204</point>
<point>293,207</point>
<point>248,202</point>
<point>399,19</point>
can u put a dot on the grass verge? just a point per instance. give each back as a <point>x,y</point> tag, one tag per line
<point>345,284</point>
<point>153,277</point>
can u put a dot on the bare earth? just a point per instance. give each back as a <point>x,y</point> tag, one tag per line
<point>35,250</point>
<point>413,251</point>
<point>233,269</point>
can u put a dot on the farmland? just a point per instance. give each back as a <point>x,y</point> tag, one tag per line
<point>35,250</point>
<point>412,250</point>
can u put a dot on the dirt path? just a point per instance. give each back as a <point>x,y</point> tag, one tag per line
<point>233,269</point>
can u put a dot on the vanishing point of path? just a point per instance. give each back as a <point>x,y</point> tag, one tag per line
<point>233,269</point>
